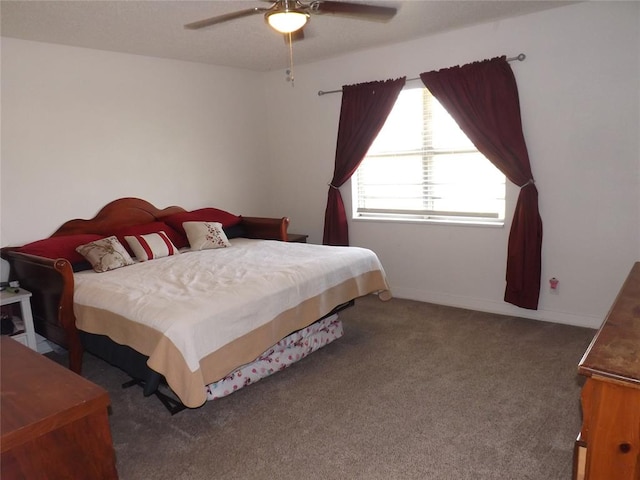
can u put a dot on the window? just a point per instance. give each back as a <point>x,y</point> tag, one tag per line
<point>422,167</point>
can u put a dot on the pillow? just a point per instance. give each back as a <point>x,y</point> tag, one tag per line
<point>63,246</point>
<point>152,245</point>
<point>205,235</point>
<point>105,254</point>
<point>202,215</point>
<point>177,238</point>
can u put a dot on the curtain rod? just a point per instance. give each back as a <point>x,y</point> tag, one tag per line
<point>520,58</point>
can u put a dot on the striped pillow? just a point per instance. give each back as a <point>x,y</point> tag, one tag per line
<point>151,245</point>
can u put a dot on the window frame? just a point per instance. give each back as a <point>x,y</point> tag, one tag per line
<point>427,215</point>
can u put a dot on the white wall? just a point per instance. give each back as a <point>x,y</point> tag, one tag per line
<point>83,127</point>
<point>580,111</point>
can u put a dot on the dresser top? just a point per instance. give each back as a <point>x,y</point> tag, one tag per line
<point>37,395</point>
<point>615,350</point>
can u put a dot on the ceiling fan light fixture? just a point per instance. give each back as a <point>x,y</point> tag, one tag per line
<point>287,21</point>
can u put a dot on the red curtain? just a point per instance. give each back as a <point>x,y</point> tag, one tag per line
<point>483,99</point>
<point>365,108</point>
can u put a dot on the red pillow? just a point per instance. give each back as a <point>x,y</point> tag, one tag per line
<point>178,239</point>
<point>202,215</point>
<point>60,247</point>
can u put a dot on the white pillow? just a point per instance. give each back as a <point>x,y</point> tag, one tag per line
<point>205,235</point>
<point>105,254</point>
<point>151,245</point>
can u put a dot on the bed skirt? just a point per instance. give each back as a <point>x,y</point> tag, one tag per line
<point>286,352</point>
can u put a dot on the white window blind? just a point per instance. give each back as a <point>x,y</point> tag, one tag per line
<point>423,167</point>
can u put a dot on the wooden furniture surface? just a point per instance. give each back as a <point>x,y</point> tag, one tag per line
<point>23,297</point>
<point>297,237</point>
<point>608,447</point>
<point>53,423</point>
<point>129,211</point>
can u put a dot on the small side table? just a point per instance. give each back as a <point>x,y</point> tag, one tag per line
<point>297,237</point>
<point>22,296</point>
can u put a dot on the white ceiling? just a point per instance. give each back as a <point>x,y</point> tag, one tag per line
<point>155,28</point>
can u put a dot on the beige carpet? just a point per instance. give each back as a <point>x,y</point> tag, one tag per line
<point>412,391</point>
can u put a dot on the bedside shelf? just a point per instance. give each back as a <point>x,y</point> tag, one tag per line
<point>28,336</point>
<point>297,237</point>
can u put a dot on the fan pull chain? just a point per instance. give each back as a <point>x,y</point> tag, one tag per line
<point>290,69</point>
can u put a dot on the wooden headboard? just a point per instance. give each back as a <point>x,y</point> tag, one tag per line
<point>51,281</point>
<point>128,211</point>
<point>122,212</point>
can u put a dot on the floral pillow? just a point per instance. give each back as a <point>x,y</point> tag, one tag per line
<point>105,254</point>
<point>205,235</point>
<point>150,246</point>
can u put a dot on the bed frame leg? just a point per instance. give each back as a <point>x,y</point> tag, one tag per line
<point>172,405</point>
<point>75,356</point>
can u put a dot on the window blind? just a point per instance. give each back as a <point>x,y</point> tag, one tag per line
<point>422,166</point>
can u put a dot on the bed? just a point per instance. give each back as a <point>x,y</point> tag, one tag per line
<point>202,321</point>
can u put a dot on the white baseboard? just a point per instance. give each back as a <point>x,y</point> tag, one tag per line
<point>501,308</point>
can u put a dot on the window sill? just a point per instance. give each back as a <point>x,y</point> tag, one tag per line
<point>433,221</point>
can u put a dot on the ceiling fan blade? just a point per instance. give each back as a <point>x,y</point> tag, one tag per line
<point>295,36</point>
<point>207,22</point>
<point>359,10</point>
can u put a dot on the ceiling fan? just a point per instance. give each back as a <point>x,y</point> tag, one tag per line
<point>290,16</point>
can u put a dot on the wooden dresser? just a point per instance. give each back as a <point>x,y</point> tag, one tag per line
<point>53,422</point>
<point>608,447</point>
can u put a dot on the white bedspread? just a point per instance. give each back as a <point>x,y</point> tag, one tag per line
<point>200,302</point>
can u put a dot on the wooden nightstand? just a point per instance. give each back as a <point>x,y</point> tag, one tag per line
<point>297,237</point>
<point>22,296</point>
